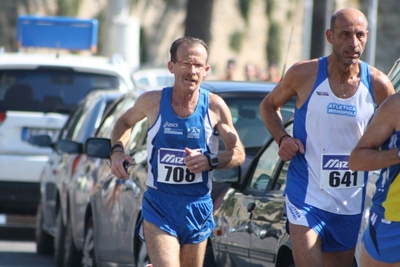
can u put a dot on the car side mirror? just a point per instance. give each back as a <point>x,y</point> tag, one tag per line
<point>69,147</point>
<point>98,147</point>
<point>42,140</point>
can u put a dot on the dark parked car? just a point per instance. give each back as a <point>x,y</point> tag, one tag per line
<point>250,219</point>
<point>115,204</point>
<point>54,223</point>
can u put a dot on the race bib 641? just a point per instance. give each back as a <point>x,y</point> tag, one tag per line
<point>335,173</point>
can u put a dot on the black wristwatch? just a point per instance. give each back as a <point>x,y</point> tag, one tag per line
<point>212,160</point>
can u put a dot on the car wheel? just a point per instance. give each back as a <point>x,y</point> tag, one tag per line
<point>44,241</point>
<point>72,257</point>
<point>59,241</point>
<point>89,253</point>
<point>143,257</point>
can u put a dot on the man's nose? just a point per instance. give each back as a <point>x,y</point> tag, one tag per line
<point>353,40</point>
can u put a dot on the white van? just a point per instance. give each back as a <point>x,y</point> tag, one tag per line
<point>37,92</point>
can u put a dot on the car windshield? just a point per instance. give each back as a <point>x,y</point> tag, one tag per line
<point>247,119</point>
<point>49,90</point>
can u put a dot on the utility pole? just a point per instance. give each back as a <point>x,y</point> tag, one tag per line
<point>328,14</point>
<point>372,25</point>
<point>121,33</point>
<point>308,15</point>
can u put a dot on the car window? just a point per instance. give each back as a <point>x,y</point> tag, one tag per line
<point>66,132</point>
<point>262,174</point>
<point>81,131</point>
<point>247,120</point>
<point>108,122</point>
<point>280,183</point>
<point>46,90</point>
<point>165,80</point>
<point>138,135</point>
<point>143,82</point>
<point>267,163</point>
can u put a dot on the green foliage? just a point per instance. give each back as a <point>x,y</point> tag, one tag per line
<point>68,8</point>
<point>244,6</point>
<point>289,15</point>
<point>236,41</point>
<point>270,7</point>
<point>273,47</point>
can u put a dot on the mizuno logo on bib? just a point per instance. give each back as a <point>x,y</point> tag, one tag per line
<point>335,173</point>
<point>172,168</point>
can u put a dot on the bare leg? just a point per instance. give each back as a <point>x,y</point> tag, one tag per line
<point>307,250</point>
<point>163,248</point>
<point>193,254</point>
<point>368,261</point>
<point>306,246</point>
<point>342,258</point>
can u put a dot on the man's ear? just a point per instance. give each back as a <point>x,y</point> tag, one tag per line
<point>171,66</point>
<point>207,69</point>
<point>329,35</point>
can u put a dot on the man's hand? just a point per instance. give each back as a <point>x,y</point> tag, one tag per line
<point>196,161</point>
<point>118,162</point>
<point>289,147</point>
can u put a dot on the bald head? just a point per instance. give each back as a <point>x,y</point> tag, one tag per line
<point>349,14</point>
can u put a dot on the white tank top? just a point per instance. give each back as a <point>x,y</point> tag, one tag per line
<point>330,127</point>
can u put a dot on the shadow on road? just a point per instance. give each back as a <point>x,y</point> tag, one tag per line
<point>18,248</point>
<point>25,259</point>
<point>17,234</point>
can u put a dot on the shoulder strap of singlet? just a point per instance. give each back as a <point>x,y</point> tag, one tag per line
<point>204,93</point>
<point>165,99</point>
<point>321,76</point>
<point>365,78</point>
<point>322,71</point>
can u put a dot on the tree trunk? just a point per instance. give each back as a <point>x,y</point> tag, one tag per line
<point>198,19</point>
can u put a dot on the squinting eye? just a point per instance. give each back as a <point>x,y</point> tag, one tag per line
<point>199,66</point>
<point>186,64</point>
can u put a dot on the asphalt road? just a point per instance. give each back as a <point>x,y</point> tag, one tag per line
<point>18,249</point>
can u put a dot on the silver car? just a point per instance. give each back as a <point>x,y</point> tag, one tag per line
<point>56,222</point>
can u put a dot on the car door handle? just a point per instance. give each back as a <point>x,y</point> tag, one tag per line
<point>251,206</point>
<point>129,186</point>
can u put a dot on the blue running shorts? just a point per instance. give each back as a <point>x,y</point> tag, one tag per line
<point>189,218</point>
<point>382,239</point>
<point>337,232</point>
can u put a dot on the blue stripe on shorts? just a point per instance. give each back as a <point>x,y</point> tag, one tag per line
<point>382,239</point>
